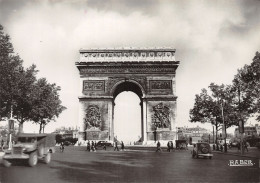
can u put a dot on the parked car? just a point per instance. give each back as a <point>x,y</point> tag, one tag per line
<point>181,144</point>
<point>67,143</point>
<point>201,149</point>
<point>31,147</point>
<point>102,143</point>
<point>233,144</point>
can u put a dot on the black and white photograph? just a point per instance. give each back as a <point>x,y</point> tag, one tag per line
<point>129,91</point>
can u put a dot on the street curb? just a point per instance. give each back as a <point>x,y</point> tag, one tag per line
<point>235,154</point>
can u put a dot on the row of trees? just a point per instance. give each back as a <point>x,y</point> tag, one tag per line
<point>233,103</point>
<point>22,95</point>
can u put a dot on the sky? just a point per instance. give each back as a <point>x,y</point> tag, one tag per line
<point>212,40</point>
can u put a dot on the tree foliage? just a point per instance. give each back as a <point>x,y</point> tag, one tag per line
<point>21,92</point>
<point>230,103</point>
<point>46,102</point>
<point>247,84</point>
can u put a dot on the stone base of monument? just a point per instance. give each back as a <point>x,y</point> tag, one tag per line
<point>161,136</point>
<point>96,135</point>
<point>93,135</point>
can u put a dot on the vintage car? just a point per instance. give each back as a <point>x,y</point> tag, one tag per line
<point>106,143</point>
<point>181,144</point>
<point>31,147</point>
<point>201,149</point>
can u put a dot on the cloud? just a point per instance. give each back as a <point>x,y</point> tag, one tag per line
<point>213,38</point>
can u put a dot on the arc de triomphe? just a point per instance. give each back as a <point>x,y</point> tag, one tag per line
<point>150,73</point>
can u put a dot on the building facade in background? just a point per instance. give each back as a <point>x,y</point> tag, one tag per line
<point>249,131</point>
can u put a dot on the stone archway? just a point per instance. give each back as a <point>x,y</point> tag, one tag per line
<point>150,73</point>
<point>128,86</point>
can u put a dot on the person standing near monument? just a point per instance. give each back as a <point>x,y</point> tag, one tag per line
<point>116,146</point>
<point>122,146</point>
<point>158,147</point>
<point>93,146</point>
<point>88,146</point>
<point>169,146</point>
<point>2,144</point>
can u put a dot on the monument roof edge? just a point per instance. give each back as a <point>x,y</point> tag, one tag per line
<point>82,50</point>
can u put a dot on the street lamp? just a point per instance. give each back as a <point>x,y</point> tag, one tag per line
<point>222,115</point>
<point>10,128</point>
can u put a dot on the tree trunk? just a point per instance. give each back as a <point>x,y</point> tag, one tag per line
<point>216,132</point>
<point>20,130</point>
<point>40,128</point>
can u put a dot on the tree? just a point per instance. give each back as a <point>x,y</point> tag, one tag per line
<point>16,83</point>
<point>24,101</point>
<point>205,110</point>
<point>20,91</point>
<point>215,108</point>
<point>246,84</point>
<point>8,64</point>
<point>46,103</point>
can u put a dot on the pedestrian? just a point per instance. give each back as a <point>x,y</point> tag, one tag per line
<point>172,146</point>
<point>61,146</point>
<point>221,147</point>
<point>116,146</point>
<point>246,145</point>
<point>238,146</point>
<point>122,146</point>
<point>88,146</point>
<point>169,146</point>
<point>104,147</point>
<point>2,144</point>
<point>158,147</point>
<point>93,146</point>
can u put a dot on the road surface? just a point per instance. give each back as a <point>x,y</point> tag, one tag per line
<point>77,165</point>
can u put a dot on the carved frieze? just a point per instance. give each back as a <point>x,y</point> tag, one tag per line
<point>161,116</point>
<point>126,54</point>
<point>160,84</point>
<point>93,118</point>
<point>94,85</point>
<point>116,70</point>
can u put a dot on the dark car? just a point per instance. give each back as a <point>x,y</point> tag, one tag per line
<point>181,144</point>
<point>233,144</point>
<point>201,149</point>
<point>106,143</point>
<point>67,143</point>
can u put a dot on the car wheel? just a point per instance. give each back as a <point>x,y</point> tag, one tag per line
<point>40,151</point>
<point>7,163</point>
<point>47,158</point>
<point>33,159</point>
<point>204,150</point>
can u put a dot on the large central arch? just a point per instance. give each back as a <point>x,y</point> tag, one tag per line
<point>150,73</point>
<point>132,87</point>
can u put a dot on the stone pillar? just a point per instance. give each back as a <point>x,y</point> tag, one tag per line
<point>82,127</point>
<point>144,121</point>
<point>111,120</point>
